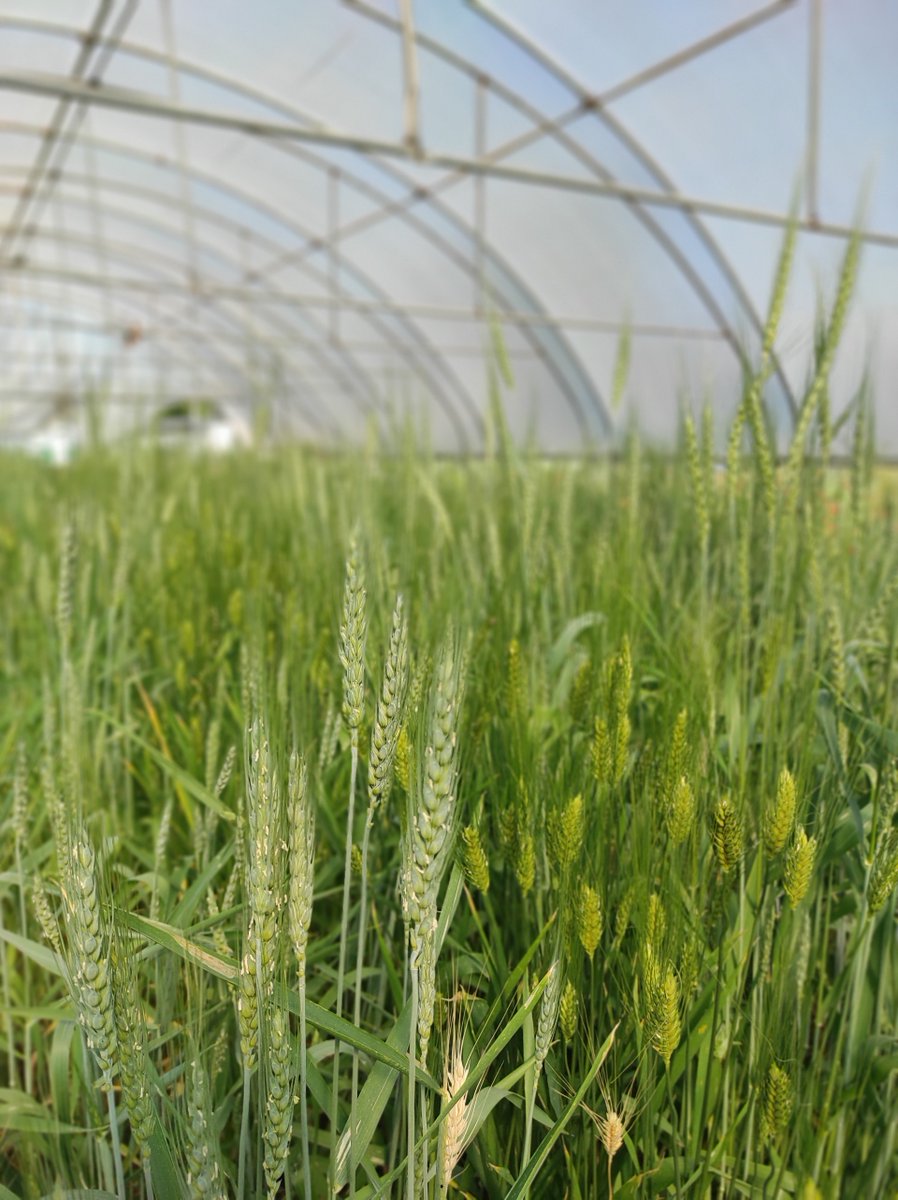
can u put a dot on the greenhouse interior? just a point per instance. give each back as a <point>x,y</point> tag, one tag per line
<point>449,604</point>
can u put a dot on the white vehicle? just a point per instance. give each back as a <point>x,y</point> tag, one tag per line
<point>202,425</point>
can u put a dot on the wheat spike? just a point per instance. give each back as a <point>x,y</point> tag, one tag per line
<point>799,867</point>
<point>779,818</point>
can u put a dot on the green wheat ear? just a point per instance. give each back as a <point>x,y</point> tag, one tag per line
<point>799,867</point>
<point>726,835</point>
<point>590,919</point>
<point>665,1015</point>
<point>477,867</point>
<point>567,1012</point>
<point>777,1101</point>
<point>779,818</point>
<point>680,815</point>
<point>565,833</point>
<point>884,873</point>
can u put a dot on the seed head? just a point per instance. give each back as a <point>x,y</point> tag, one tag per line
<point>799,867</point>
<point>525,860</point>
<point>884,873</point>
<point>403,758</point>
<point>567,1012</point>
<point>680,811</point>
<point>777,1101</point>
<point>353,630</point>
<point>565,833</point>
<point>780,816</point>
<point>302,859</point>
<point>477,867</point>
<point>548,1015</point>
<point>385,733</point>
<point>666,1016</point>
<point>726,835</point>
<point>590,919</point>
<point>248,1012</point>
<point>278,1123</point>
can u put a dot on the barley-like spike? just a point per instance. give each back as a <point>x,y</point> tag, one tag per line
<point>884,873</point>
<point>622,917</point>
<point>777,1101</point>
<point>799,867</point>
<point>727,835</point>
<point>601,752</point>
<point>779,819</point>
<point>680,814</point>
<point>525,860</point>
<point>567,1012</point>
<point>565,829</point>
<point>666,1016</point>
<point>581,693</point>
<point>590,918</point>
<point>403,759</point>
<point>656,923</point>
<point>676,762</point>
<point>477,867</point>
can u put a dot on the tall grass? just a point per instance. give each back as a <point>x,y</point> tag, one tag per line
<point>623,920</point>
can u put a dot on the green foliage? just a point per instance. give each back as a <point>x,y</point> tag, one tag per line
<point>635,650</point>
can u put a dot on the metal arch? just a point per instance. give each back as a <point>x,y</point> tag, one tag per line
<point>554,129</point>
<point>278,105</point>
<point>89,41</point>
<point>595,105</point>
<point>215,304</point>
<point>170,232</point>
<point>236,87</point>
<point>634,194</point>
<point>285,132</point>
<point>408,353</point>
<point>103,326</point>
<point>206,335</point>
<point>218,360</point>
<point>129,255</point>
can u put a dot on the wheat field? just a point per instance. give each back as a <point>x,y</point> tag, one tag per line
<point>378,825</point>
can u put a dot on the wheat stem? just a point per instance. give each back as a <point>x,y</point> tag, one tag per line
<point>244,1135</point>
<point>410,1110</point>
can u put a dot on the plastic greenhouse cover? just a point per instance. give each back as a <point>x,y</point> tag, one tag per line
<point>324,206</point>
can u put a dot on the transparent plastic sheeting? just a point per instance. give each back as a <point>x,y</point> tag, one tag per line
<point>323,207</point>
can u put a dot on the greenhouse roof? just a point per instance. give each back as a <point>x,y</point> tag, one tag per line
<point>330,208</point>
